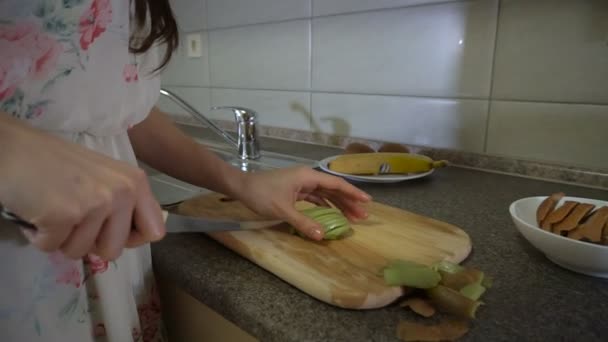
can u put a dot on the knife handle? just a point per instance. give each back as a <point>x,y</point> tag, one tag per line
<point>9,216</point>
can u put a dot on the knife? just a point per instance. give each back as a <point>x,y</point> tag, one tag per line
<point>174,223</point>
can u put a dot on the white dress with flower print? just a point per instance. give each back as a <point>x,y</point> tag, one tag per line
<point>65,68</point>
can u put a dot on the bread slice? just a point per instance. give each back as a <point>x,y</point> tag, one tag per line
<point>605,241</point>
<point>573,219</point>
<point>593,229</point>
<point>558,215</point>
<point>547,206</point>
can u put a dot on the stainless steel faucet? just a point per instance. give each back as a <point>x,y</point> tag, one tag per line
<point>247,142</point>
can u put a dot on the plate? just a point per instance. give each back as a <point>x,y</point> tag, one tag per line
<point>324,165</point>
<point>578,256</point>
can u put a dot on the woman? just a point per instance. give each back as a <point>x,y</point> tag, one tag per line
<point>78,83</point>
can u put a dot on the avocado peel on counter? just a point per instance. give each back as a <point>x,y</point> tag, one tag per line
<point>447,287</point>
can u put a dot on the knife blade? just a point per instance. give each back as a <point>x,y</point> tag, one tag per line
<point>176,223</point>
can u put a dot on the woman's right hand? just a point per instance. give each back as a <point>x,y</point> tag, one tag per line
<point>81,201</point>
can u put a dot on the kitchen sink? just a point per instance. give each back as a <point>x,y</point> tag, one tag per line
<point>169,190</point>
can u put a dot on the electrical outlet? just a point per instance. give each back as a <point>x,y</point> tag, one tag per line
<point>194,46</point>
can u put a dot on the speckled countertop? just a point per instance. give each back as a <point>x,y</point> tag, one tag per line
<point>532,299</point>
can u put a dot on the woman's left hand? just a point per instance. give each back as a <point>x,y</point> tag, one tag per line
<point>274,193</point>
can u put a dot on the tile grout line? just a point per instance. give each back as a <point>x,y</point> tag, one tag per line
<point>396,95</point>
<point>310,75</point>
<point>549,102</point>
<point>270,22</point>
<point>489,108</point>
<point>211,87</point>
<point>372,10</point>
<point>295,90</point>
<point>208,50</point>
<point>311,16</point>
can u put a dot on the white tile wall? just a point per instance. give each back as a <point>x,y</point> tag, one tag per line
<point>428,50</point>
<point>273,107</point>
<point>412,71</point>
<point>553,51</point>
<point>191,15</point>
<point>571,134</point>
<point>458,124</point>
<point>266,56</point>
<point>325,7</point>
<point>224,13</point>
<point>188,71</point>
<point>199,98</point>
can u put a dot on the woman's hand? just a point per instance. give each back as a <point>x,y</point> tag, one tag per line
<point>273,194</point>
<point>81,201</point>
<point>270,194</point>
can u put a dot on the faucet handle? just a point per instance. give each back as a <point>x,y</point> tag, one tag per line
<point>241,114</point>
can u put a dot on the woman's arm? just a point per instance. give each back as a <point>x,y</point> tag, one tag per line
<point>163,146</point>
<point>160,144</point>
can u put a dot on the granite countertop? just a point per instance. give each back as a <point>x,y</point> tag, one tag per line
<point>532,299</point>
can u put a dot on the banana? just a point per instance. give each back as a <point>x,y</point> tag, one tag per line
<point>383,163</point>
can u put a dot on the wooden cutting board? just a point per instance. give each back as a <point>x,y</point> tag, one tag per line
<point>347,272</point>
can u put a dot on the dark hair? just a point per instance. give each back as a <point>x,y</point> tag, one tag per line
<point>162,28</point>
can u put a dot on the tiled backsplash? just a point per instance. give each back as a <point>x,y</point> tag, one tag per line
<point>515,78</point>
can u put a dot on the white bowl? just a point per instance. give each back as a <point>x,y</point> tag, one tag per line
<point>577,256</point>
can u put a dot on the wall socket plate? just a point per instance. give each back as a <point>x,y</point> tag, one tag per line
<point>194,46</point>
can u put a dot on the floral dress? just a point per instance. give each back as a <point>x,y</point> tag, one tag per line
<point>65,68</point>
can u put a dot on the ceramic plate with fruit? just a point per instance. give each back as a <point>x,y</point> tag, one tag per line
<point>387,165</point>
